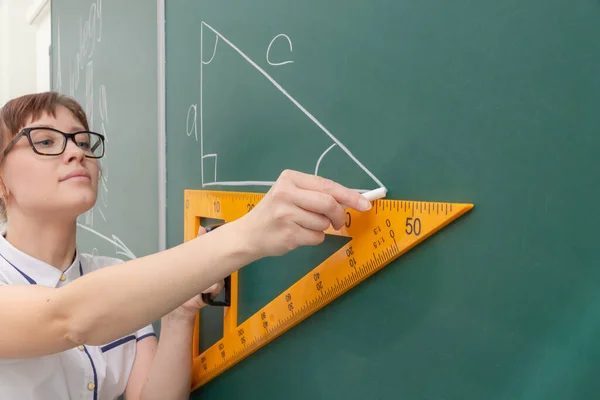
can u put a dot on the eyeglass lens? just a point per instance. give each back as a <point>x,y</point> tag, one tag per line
<point>50,142</point>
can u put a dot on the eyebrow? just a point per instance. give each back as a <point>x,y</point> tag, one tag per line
<point>73,128</point>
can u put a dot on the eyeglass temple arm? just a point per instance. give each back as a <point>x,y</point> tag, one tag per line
<point>14,141</point>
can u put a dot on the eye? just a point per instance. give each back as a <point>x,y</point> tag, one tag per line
<point>44,143</point>
<point>84,145</point>
<point>46,139</point>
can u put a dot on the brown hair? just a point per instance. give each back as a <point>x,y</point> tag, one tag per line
<point>15,114</point>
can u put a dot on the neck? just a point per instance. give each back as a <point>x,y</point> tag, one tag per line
<point>50,241</point>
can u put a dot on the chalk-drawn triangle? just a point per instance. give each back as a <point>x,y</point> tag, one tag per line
<point>324,155</point>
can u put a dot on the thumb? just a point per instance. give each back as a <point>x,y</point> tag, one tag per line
<point>201,230</point>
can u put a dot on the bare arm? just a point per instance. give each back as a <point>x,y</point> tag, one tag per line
<point>117,300</point>
<point>114,301</point>
<point>163,370</point>
<point>168,373</point>
<point>145,354</point>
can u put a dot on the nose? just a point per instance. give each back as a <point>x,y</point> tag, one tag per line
<point>73,152</point>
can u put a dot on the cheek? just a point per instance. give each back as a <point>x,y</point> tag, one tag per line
<point>94,170</point>
<point>29,180</point>
<point>27,175</point>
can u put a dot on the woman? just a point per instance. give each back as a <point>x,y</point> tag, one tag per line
<point>78,326</point>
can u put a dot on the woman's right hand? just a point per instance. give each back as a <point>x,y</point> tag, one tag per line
<point>296,211</point>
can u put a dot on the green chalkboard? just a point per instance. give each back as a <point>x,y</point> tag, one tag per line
<point>104,53</point>
<point>491,102</point>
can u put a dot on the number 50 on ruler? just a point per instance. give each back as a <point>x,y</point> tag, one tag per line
<point>378,237</point>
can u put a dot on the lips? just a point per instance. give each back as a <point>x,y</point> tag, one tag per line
<point>76,174</point>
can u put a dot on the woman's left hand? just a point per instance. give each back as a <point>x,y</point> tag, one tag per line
<point>190,308</point>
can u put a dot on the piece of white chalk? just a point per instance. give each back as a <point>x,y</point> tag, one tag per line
<point>375,194</point>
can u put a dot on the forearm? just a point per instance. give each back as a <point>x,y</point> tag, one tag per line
<point>169,375</point>
<point>117,300</point>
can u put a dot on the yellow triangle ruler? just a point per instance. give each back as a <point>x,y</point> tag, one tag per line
<point>378,237</point>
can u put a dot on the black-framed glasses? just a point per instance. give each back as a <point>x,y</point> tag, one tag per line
<point>52,142</point>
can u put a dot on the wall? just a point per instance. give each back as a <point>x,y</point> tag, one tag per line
<point>3,51</point>
<point>24,41</point>
<point>43,38</point>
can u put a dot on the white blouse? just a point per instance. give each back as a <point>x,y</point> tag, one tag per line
<point>84,372</point>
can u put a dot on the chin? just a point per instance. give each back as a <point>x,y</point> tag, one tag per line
<point>80,202</point>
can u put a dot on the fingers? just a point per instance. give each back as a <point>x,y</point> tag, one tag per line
<point>215,288</point>
<point>201,230</point>
<point>296,211</point>
<point>312,221</point>
<point>324,210</point>
<point>214,291</point>
<point>341,194</point>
